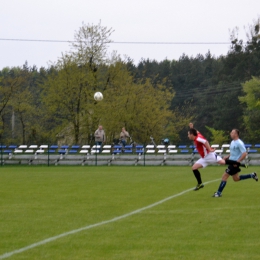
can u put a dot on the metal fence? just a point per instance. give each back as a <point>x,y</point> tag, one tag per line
<point>87,155</point>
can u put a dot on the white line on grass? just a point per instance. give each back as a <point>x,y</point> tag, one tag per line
<point>45,241</point>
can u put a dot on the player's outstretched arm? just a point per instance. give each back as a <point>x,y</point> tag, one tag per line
<point>192,126</point>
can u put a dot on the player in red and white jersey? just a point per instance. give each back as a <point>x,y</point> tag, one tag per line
<point>200,143</point>
<point>208,156</point>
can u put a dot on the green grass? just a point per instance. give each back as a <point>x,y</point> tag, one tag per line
<point>37,203</point>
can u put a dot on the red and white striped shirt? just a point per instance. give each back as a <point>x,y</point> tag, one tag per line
<point>199,142</point>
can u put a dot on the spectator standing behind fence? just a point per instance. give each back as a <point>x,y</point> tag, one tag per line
<point>100,136</point>
<point>123,136</point>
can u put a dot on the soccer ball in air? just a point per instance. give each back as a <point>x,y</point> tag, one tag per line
<point>98,96</point>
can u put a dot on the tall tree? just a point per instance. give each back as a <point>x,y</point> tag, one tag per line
<point>90,45</point>
<point>144,109</point>
<point>78,75</point>
<point>22,104</point>
<point>65,95</point>
<point>10,80</point>
<point>251,99</point>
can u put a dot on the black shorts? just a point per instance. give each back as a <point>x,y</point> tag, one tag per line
<point>231,170</point>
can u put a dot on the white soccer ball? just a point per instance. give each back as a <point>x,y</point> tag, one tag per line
<point>98,96</point>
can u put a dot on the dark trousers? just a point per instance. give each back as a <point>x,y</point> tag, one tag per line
<point>99,143</point>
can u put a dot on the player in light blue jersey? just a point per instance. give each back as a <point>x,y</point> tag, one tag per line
<point>237,154</point>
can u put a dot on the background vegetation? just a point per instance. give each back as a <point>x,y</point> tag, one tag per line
<point>55,104</point>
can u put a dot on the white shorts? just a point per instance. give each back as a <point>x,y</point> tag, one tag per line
<point>210,158</point>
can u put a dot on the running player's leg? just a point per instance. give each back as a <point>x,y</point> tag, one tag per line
<point>229,162</point>
<point>252,175</point>
<point>233,171</point>
<point>238,164</point>
<point>222,184</point>
<point>199,164</point>
<point>220,160</point>
<point>236,176</point>
<point>213,158</point>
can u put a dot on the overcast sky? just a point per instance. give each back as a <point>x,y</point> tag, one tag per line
<point>132,20</point>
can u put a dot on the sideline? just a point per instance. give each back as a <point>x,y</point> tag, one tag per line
<point>45,241</point>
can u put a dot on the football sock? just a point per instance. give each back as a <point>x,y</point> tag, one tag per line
<point>245,176</point>
<point>197,176</point>
<point>221,186</point>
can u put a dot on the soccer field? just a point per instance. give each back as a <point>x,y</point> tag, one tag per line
<point>126,213</point>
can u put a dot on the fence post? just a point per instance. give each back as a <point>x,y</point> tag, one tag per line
<point>144,153</point>
<point>48,155</point>
<point>96,155</point>
<point>1,154</point>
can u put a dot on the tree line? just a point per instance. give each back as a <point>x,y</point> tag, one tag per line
<point>55,104</point>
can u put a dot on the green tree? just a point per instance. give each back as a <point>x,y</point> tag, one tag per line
<point>10,80</point>
<point>217,136</point>
<point>139,105</point>
<point>22,105</point>
<point>243,59</point>
<point>69,89</point>
<point>251,99</point>
<point>65,96</point>
<point>90,45</point>
<point>144,109</point>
